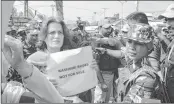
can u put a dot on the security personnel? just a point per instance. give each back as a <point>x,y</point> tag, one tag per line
<point>107,63</point>
<point>168,63</point>
<point>142,79</point>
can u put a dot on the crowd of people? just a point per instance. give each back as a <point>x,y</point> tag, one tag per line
<point>133,65</point>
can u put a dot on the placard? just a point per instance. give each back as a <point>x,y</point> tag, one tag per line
<point>72,70</point>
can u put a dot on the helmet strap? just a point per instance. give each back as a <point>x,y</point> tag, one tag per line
<point>149,50</point>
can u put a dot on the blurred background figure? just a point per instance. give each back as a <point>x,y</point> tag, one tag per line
<point>116,32</point>
<point>124,32</point>
<point>29,45</point>
<point>105,28</point>
<point>41,46</point>
<point>168,66</point>
<point>108,64</point>
<point>12,31</point>
<point>79,23</point>
<point>21,34</point>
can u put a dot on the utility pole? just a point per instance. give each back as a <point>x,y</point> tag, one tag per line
<point>35,12</point>
<point>104,11</point>
<point>52,6</point>
<point>59,9</point>
<point>26,8</point>
<point>137,5</point>
<point>122,4</point>
<point>94,16</point>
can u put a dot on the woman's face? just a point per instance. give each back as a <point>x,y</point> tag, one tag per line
<point>136,50</point>
<point>55,35</point>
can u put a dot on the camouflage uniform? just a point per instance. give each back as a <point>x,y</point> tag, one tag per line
<point>28,49</point>
<point>141,84</point>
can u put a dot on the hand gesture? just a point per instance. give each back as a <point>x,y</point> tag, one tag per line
<point>13,51</point>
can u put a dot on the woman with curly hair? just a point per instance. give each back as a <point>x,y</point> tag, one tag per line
<point>57,37</point>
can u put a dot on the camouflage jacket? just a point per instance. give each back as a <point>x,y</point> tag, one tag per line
<point>28,49</point>
<point>141,84</point>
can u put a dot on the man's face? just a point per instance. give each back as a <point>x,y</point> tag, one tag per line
<point>106,31</point>
<point>32,37</point>
<point>170,23</point>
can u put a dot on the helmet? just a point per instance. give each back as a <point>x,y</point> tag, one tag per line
<point>140,32</point>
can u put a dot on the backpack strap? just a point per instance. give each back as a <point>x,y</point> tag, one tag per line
<point>164,97</point>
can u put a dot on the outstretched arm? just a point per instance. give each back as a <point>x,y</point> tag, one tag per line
<point>35,81</point>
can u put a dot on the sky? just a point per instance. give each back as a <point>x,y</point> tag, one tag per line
<point>86,9</point>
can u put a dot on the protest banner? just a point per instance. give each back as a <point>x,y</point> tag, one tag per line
<point>72,70</point>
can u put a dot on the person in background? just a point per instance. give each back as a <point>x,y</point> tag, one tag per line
<point>79,23</point>
<point>76,37</point>
<point>29,45</point>
<point>21,34</point>
<point>14,31</point>
<point>168,15</point>
<point>41,46</point>
<point>123,32</point>
<point>169,18</point>
<point>108,65</point>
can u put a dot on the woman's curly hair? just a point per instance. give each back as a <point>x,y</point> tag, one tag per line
<point>44,32</point>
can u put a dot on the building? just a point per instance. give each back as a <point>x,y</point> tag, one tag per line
<point>19,21</point>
